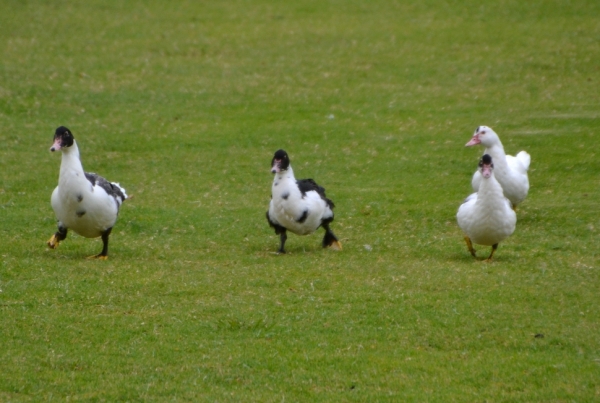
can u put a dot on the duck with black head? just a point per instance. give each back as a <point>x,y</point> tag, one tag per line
<point>486,217</point>
<point>299,206</point>
<point>83,202</point>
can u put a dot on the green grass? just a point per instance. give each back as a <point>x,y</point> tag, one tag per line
<point>184,105</point>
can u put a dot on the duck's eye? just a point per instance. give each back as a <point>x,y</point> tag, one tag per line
<point>483,132</point>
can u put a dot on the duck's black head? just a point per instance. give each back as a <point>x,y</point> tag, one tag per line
<point>486,166</point>
<point>280,162</point>
<point>62,138</point>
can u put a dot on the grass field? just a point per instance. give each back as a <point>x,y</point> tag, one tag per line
<point>184,104</point>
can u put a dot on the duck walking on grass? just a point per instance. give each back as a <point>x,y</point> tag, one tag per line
<point>299,206</point>
<point>486,217</point>
<point>84,202</point>
<point>510,171</point>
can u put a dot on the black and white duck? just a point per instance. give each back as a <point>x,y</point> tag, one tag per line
<point>83,202</point>
<point>486,217</point>
<point>299,206</point>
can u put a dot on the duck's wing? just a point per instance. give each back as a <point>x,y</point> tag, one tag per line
<point>464,215</point>
<point>476,181</point>
<point>470,198</point>
<point>309,185</point>
<point>111,188</point>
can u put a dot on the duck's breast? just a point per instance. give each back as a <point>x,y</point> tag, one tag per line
<point>89,212</point>
<point>300,214</point>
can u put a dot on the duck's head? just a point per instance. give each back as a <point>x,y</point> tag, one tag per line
<point>62,138</point>
<point>486,166</point>
<point>280,162</point>
<point>485,136</point>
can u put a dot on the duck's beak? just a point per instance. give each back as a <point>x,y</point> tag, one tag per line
<point>56,145</point>
<point>486,171</point>
<point>275,168</point>
<point>474,141</point>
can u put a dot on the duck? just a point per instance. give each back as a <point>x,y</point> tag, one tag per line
<point>83,202</point>
<point>486,217</point>
<point>510,171</point>
<point>299,206</point>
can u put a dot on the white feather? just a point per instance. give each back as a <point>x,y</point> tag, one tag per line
<point>486,217</point>
<point>286,211</point>
<point>75,195</point>
<point>510,172</point>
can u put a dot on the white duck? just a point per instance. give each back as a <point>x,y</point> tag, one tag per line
<point>486,217</point>
<point>84,202</point>
<point>510,171</point>
<point>299,206</point>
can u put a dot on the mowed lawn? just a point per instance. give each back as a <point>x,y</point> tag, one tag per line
<point>184,104</point>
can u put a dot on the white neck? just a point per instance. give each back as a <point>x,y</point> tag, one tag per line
<point>70,162</point>
<point>490,191</point>
<point>287,174</point>
<point>498,158</point>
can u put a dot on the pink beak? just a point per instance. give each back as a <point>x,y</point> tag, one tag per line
<point>275,167</point>
<point>56,145</point>
<point>474,141</point>
<point>486,171</point>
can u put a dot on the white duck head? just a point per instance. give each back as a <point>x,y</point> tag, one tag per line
<point>485,136</point>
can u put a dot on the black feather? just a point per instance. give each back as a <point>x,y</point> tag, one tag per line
<point>485,159</point>
<point>109,188</point>
<point>308,185</point>
<point>303,217</point>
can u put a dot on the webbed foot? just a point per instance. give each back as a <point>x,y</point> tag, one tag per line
<point>336,245</point>
<point>53,242</point>
<point>99,257</point>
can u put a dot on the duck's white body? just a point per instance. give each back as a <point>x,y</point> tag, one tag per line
<point>85,208</point>
<point>510,171</point>
<point>83,202</point>
<point>289,206</point>
<point>487,217</point>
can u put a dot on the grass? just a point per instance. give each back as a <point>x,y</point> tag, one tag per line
<point>184,105</point>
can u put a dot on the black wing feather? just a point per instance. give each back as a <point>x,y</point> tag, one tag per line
<point>112,190</point>
<point>307,185</point>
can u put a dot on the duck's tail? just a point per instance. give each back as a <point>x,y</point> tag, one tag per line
<point>524,158</point>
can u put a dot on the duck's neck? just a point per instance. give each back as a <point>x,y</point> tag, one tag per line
<point>70,162</point>
<point>498,158</point>
<point>490,191</point>
<point>288,174</point>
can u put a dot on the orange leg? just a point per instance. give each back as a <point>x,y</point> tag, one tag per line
<point>470,246</point>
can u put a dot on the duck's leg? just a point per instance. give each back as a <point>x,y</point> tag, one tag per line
<point>330,239</point>
<point>283,238</point>
<point>470,246</point>
<point>60,235</point>
<point>279,230</point>
<point>494,247</point>
<point>104,254</point>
